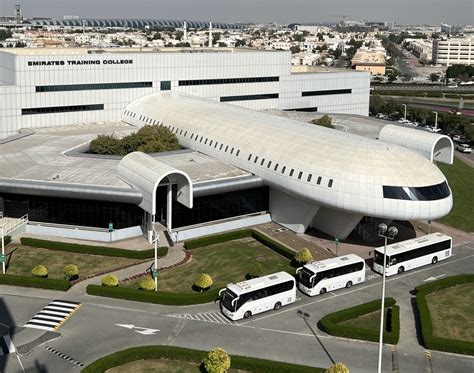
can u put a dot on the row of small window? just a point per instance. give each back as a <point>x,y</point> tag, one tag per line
<point>291,173</point>
<point>305,109</point>
<point>326,92</point>
<point>413,254</point>
<point>259,79</point>
<point>61,109</point>
<point>263,96</point>
<point>94,86</point>
<point>220,146</point>
<point>265,292</point>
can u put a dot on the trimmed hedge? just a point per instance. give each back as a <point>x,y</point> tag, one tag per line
<point>158,297</point>
<point>93,250</point>
<point>260,237</point>
<point>429,340</point>
<point>331,323</point>
<point>194,356</point>
<point>35,282</point>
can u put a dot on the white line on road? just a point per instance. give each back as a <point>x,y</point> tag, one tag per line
<point>358,289</point>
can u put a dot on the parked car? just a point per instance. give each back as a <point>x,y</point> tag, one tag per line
<point>464,148</point>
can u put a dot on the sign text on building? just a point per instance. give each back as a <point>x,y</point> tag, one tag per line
<point>80,62</point>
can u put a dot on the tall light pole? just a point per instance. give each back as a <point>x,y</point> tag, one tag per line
<point>405,111</point>
<point>386,233</point>
<point>154,272</point>
<point>3,250</point>
<point>436,119</point>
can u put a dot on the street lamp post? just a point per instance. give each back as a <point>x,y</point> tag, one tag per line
<point>436,119</point>
<point>386,233</point>
<point>156,240</point>
<point>3,251</point>
<point>405,111</point>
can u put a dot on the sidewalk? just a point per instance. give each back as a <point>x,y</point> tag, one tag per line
<point>175,255</point>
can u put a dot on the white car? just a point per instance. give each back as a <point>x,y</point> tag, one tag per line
<point>464,148</point>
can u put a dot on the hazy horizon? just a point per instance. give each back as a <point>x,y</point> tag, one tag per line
<point>265,11</point>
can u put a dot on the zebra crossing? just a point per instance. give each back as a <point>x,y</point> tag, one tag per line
<point>211,317</point>
<point>53,315</point>
<point>6,345</point>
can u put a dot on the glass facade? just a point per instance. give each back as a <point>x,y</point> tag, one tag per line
<point>89,87</point>
<point>429,193</point>
<point>326,92</point>
<point>258,79</point>
<point>263,96</point>
<point>61,109</point>
<point>72,211</point>
<point>219,206</point>
<point>165,85</point>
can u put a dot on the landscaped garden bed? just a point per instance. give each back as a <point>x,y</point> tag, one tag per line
<point>446,314</point>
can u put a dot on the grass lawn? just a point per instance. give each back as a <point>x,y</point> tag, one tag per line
<point>367,321</point>
<point>24,258</point>
<point>225,262</point>
<point>452,312</point>
<point>461,180</point>
<point>161,365</point>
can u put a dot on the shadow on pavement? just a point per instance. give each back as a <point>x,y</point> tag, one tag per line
<point>38,368</point>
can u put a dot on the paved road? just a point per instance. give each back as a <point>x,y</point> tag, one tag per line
<point>92,331</point>
<point>421,87</point>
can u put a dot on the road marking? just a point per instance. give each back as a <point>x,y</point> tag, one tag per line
<point>406,274</point>
<point>433,278</point>
<point>210,317</point>
<point>6,345</point>
<point>294,333</point>
<point>53,315</point>
<point>139,329</point>
<point>65,357</point>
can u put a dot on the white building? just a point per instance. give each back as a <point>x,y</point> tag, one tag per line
<point>453,52</point>
<point>56,87</point>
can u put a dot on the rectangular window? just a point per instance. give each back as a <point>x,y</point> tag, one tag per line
<point>256,159</point>
<point>269,164</point>
<point>61,109</point>
<point>300,175</point>
<point>200,140</point>
<point>326,92</point>
<point>210,143</point>
<point>330,183</point>
<point>304,109</point>
<point>226,148</point>
<point>262,162</point>
<point>165,85</point>
<point>319,180</point>
<point>283,169</point>
<point>309,178</point>
<point>215,145</point>
<point>232,151</point>
<point>205,142</point>
<point>220,148</point>
<point>238,152</point>
<point>276,167</point>
<point>263,96</point>
<point>92,87</point>
<point>259,79</point>
<point>292,171</point>
<point>250,157</point>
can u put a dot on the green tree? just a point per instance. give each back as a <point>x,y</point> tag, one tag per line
<point>217,361</point>
<point>337,368</point>
<point>105,144</point>
<point>240,43</point>
<point>376,104</point>
<point>295,49</point>
<point>5,34</point>
<point>303,256</point>
<point>203,281</point>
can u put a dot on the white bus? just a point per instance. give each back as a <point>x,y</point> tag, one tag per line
<point>330,274</point>
<point>247,298</point>
<point>414,253</point>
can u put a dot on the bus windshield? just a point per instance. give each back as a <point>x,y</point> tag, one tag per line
<point>227,299</point>
<point>305,275</point>
<point>378,258</point>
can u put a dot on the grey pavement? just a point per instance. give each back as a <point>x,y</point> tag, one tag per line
<point>92,331</point>
<point>174,256</point>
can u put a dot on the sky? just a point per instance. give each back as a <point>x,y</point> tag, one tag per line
<point>280,11</point>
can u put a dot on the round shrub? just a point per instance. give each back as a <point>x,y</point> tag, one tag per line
<point>147,283</point>
<point>71,272</point>
<point>304,256</point>
<point>40,271</point>
<point>337,368</point>
<point>204,281</point>
<point>256,270</point>
<point>217,361</point>
<point>110,280</point>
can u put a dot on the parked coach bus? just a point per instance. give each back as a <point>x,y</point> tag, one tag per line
<point>247,298</point>
<point>414,253</point>
<point>331,274</point>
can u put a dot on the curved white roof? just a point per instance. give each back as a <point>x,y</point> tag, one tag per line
<point>353,169</point>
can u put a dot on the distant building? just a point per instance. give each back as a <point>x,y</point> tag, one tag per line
<point>453,51</point>
<point>421,48</point>
<point>369,60</point>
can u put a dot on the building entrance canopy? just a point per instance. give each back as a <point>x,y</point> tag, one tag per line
<point>144,173</point>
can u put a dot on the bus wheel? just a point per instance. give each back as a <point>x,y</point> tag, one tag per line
<point>434,260</point>
<point>322,291</point>
<point>247,314</point>
<point>401,270</point>
<point>349,284</point>
<point>277,306</point>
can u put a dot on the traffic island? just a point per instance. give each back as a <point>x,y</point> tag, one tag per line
<point>445,309</point>
<point>363,322</point>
